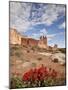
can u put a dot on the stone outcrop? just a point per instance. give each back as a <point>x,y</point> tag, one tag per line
<point>42,42</point>
<point>15,37</point>
<point>29,41</point>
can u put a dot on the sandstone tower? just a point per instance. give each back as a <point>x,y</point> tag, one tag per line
<point>42,42</point>
<point>55,47</point>
<point>15,37</point>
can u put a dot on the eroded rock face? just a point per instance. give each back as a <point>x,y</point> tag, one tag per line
<point>42,42</point>
<point>15,37</point>
<point>29,41</point>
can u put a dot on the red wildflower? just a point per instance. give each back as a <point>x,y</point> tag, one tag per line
<point>27,75</point>
<point>35,74</point>
<point>39,74</point>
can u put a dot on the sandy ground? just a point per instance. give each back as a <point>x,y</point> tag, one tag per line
<point>28,60</point>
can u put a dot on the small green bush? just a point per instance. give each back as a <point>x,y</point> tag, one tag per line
<point>32,48</point>
<point>39,59</point>
<point>63,50</point>
<point>15,83</point>
<point>33,64</point>
<point>28,51</point>
<point>55,60</point>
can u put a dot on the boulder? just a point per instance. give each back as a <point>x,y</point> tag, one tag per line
<point>58,57</point>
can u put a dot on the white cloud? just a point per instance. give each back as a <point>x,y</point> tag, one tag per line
<point>49,14</point>
<point>51,36</point>
<point>35,35</point>
<point>20,13</point>
<point>52,12</point>
<point>43,32</point>
<point>62,26</point>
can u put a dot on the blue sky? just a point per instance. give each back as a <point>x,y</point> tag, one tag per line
<point>36,19</point>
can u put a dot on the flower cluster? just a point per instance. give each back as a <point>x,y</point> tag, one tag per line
<point>39,74</point>
<point>37,77</point>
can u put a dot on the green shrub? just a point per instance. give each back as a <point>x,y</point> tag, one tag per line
<point>25,46</point>
<point>28,51</point>
<point>15,83</point>
<point>63,50</point>
<point>14,48</point>
<point>32,48</point>
<point>27,60</point>
<point>55,60</point>
<point>11,53</point>
<point>39,59</point>
<point>33,64</point>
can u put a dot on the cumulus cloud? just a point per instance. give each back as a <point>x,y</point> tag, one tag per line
<point>24,15</point>
<point>19,13</point>
<point>49,36</point>
<point>52,36</point>
<point>49,14</point>
<point>62,26</point>
<point>42,32</point>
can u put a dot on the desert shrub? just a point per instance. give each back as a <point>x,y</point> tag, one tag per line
<point>25,46</point>
<point>16,83</point>
<point>33,64</point>
<point>39,59</point>
<point>28,51</point>
<point>11,53</point>
<point>55,60</point>
<point>33,48</point>
<point>17,54</point>
<point>19,83</point>
<point>63,50</point>
<point>14,52</point>
<point>14,48</point>
<point>27,60</point>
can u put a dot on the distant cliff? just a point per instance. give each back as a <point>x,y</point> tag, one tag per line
<point>17,38</point>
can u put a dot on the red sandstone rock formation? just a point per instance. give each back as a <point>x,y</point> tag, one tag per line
<point>17,38</point>
<point>29,41</point>
<point>42,42</point>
